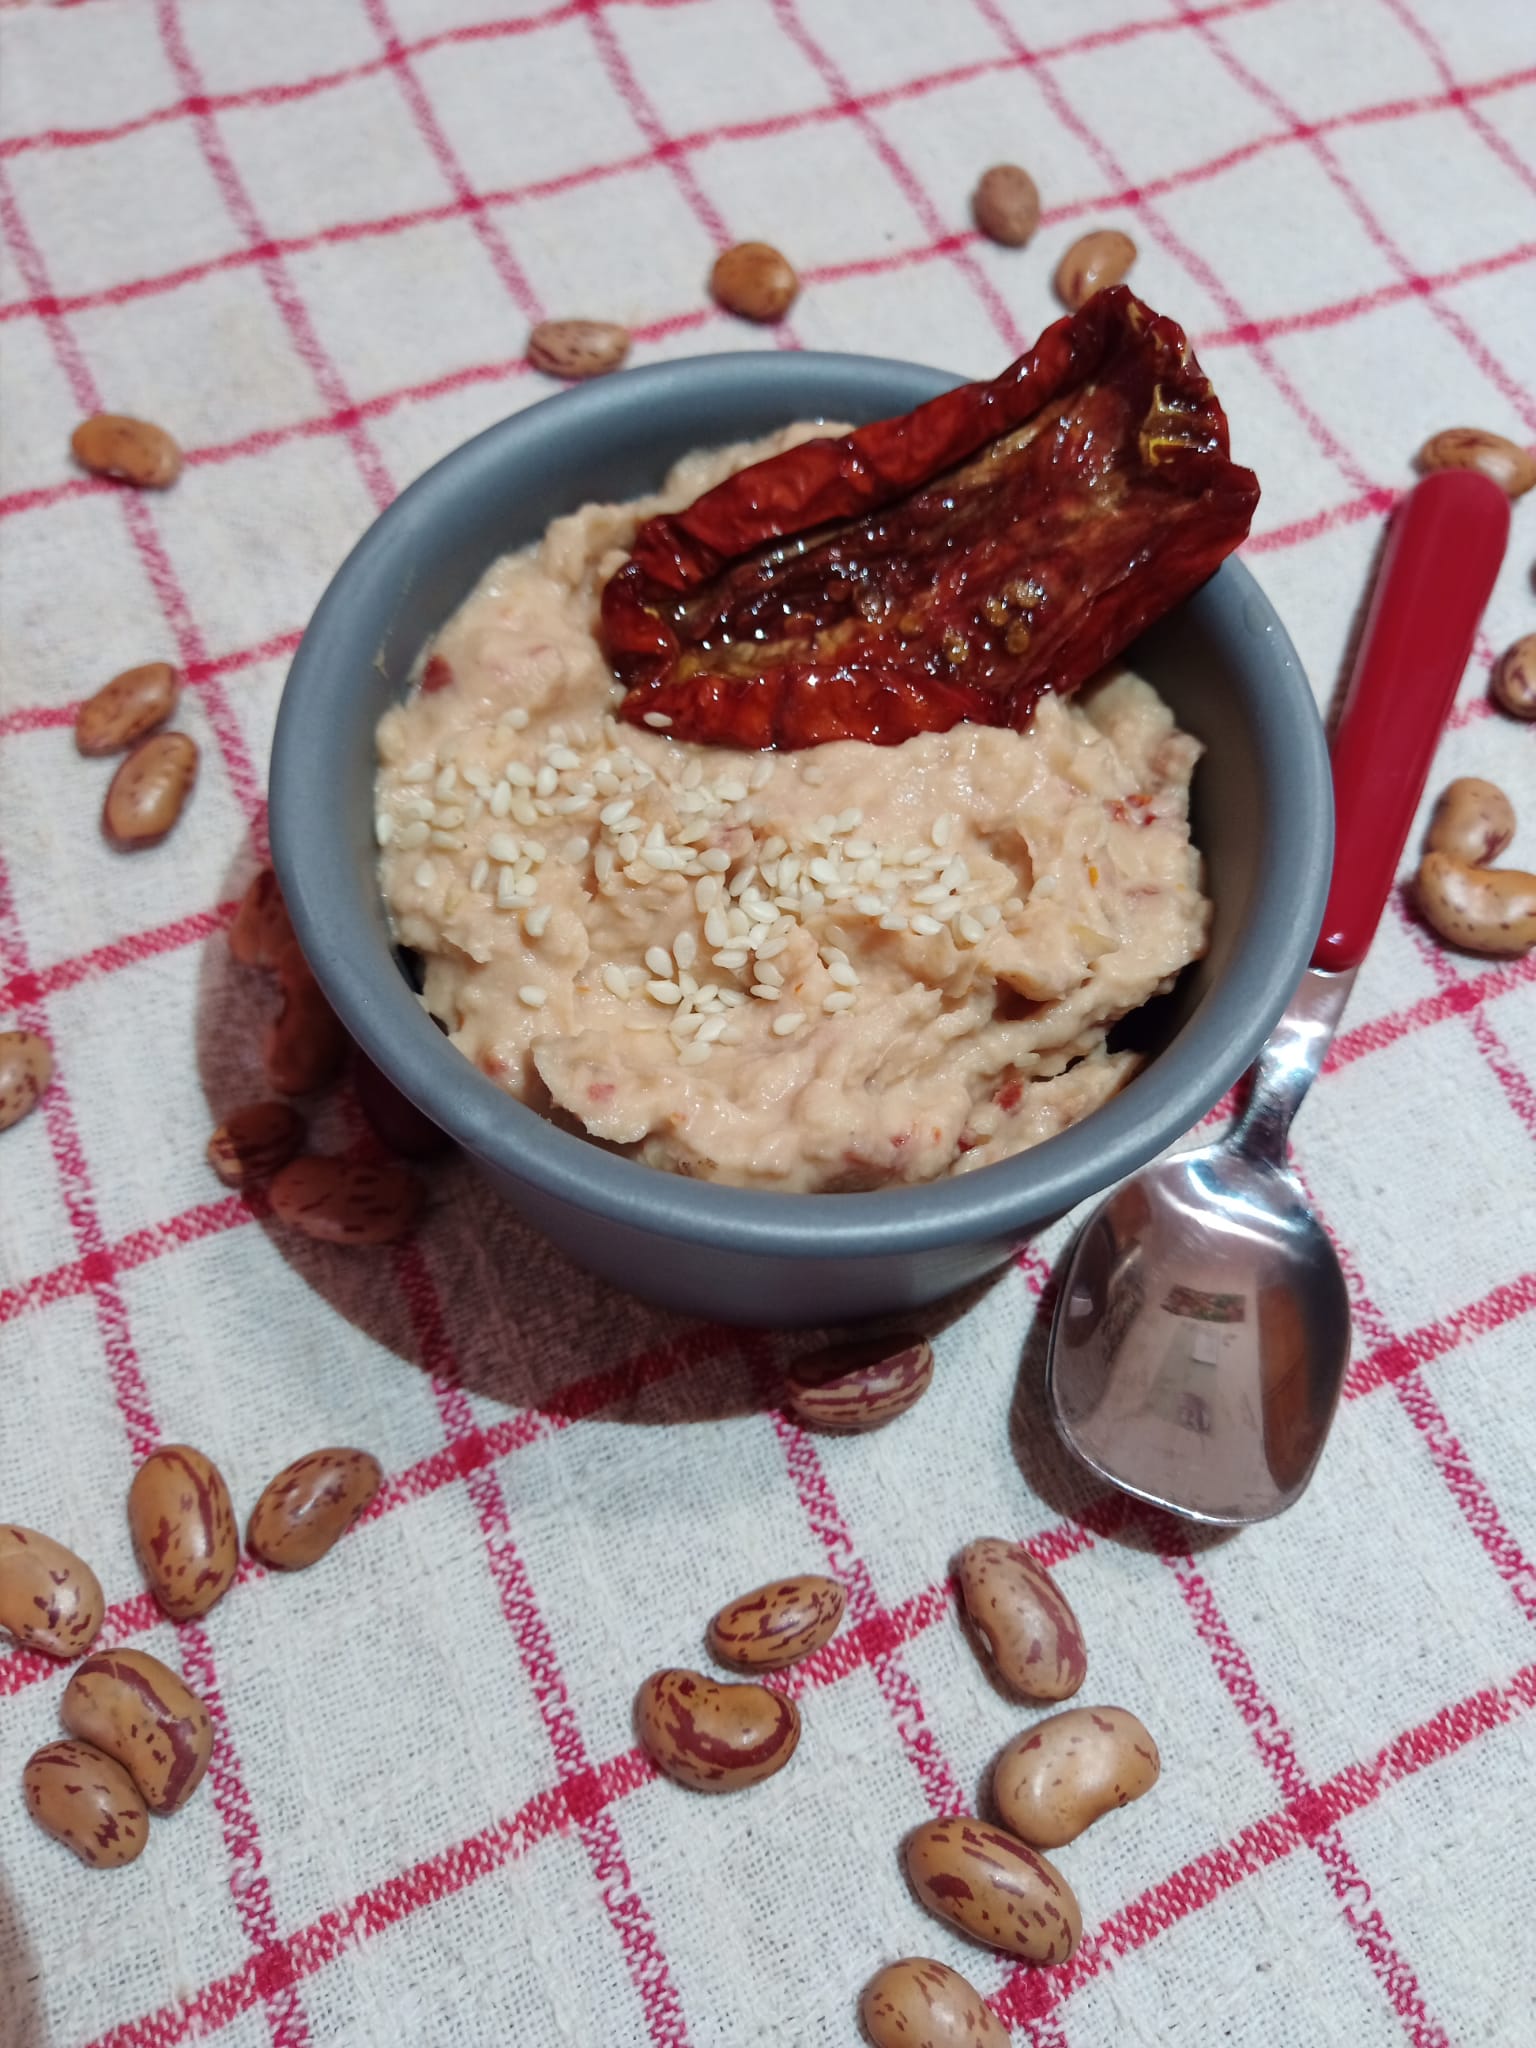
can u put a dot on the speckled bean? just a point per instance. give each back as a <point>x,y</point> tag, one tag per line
<point>1514,679</point>
<point>1024,1624</point>
<point>918,2003</point>
<point>50,1600</point>
<point>340,1202</point>
<point>1093,263</point>
<point>87,1802</point>
<point>26,1068</point>
<point>1473,821</point>
<point>261,932</point>
<point>311,1505</point>
<point>135,1710</point>
<point>135,451</point>
<point>1510,466</point>
<point>995,1888</point>
<point>149,792</point>
<point>850,1388</point>
<point>777,1624</point>
<point>1069,1770</point>
<point>305,1043</point>
<point>575,349</point>
<point>183,1527</point>
<point>714,1737</point>
<point>1486,910</point>
<point>254,1141</point>
<point>127,708</point>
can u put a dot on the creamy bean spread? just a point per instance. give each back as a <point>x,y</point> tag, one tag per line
<point>841,968</point>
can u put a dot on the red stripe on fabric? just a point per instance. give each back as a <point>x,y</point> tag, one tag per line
<point>1365,302</point>
<point>241,209</point>
<point>32,987</point>
<point>642,112</point>
<point>1462,96</point>
<point>1471,343</point>
<point>435,136</point>
<point>626,1911</point>
<point>1391,1361</point>
<point>1367,504</point>
<point>1476,1503</point>
<point>1277,1751</point>
<point>385,225</point>
<point>156,562</point>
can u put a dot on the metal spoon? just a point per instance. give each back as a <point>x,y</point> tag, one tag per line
<point>1202,1331</point>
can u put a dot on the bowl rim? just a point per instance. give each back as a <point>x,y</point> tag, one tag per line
<point>1032,1188</point>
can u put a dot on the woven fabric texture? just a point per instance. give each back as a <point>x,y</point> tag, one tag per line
<point>311,239</point>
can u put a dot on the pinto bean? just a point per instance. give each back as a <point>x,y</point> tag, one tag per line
<point>134,451</point>
<point>305,1043</point>
<point>87,1802</point>
<point>1510,466</point>
<point>754,281</point>
<point>1473,821</point>
<point>311,1505</point>
<point>1514,679</point>
<point>149,792</point>
<point>127,708</point>
<point>777,1624</point>
<point>995,1888</point>
<point>183,1527</point>
<point>1059,1777</point>
<point>1006,205</point>
<point>1486,910</point>
<point>50,1600</point>
<point>850,1388</point>
<point>574,349</point>
<point>261,932</point>
<point>1028,1630</point>
<point>253,1142</point>
<point>26,1068</point>
<point>135,1710</point>
<point>918,2003</point>
<point>1094,262</point>
<point>340,1202</point>
<point>713,1737</point>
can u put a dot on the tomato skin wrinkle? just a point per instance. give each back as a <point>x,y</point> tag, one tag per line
<point>952,563</point>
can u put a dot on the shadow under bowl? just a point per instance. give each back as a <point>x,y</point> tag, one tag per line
<point>1261,813</point>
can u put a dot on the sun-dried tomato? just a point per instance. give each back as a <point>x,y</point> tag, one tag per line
<point>1001,540</point>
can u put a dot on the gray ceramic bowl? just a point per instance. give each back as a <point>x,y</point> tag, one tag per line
<point>1262,814</point>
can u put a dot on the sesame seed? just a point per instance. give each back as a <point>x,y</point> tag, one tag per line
<point>531,994</point>
<point>615,982</point>
<point>969,928</point>
<point>693,1055</point>
<point>602,865</point>
<point>706,892</point>
<point>716,926</point>
<point>761,775</point>
<point>511,892</point>
<point>519,774</point>
<point>710,1030</point>
<point>685,949</point>
<point>767,991</point>
<point>715,860</point>
<point>789,1020</point>
<point>991,917</point>
<point>934,893</point>
<point>926,926</point>
<point>943,827</point>
<point>658,719</point>
<point>409,837</point>
<point>561,759</point>
<point>956,875</point>
<point>629,847</point>
<point>419,771</point>
<point>664,991</point>
<point>731,792</point>
<point>575,850</point>
<point>546,781</point>
<point>840,999</point>
<point>517,718</point>
<point>616,813</point>
<point>501,799</point>
<point>659,961</point>
<point>522,811</point>
<point>478,873</point>
<point>844,975</point>
<point>732,960</point>
<point>693,775</point>
<point>766,971</point>
<point>383,827</point>
<point>504,846</point>
<point>426,875</point>
<point>448,781</point>
<point>449,841</point>
<point>536,923</point>
<point>850,820</point>
<point>771,950</point>
<point>893,921</point>
<point>868,904</point>
<point>536,850</point>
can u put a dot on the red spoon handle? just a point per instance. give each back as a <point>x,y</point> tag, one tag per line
<point>1443,553</point>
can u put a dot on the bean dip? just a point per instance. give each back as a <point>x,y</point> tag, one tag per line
<point>841,968</point>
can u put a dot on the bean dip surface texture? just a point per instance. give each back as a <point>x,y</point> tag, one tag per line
<point>841,968</point>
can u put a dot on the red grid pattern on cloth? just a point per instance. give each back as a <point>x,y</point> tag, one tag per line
<point>587,1798</point>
